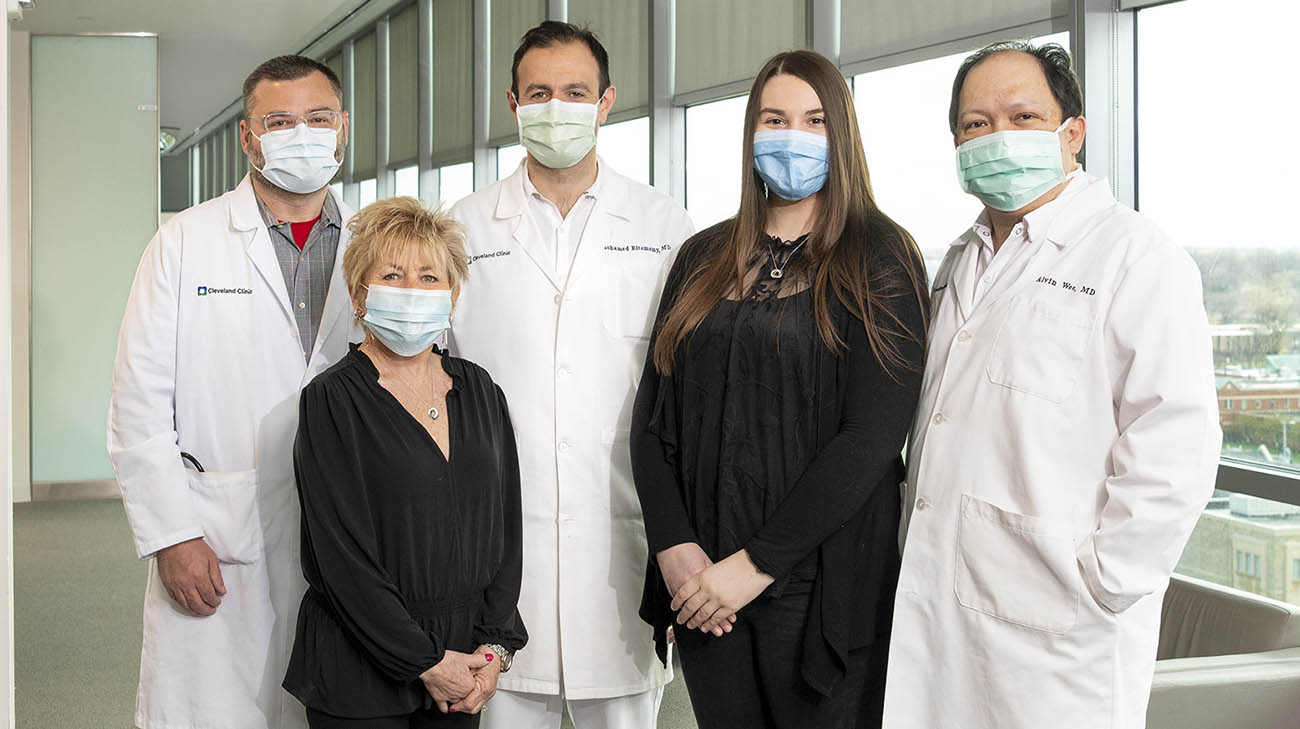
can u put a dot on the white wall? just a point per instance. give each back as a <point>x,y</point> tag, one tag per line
<point>6,415</point>
<point>94,190</point>
<point>19,73</point>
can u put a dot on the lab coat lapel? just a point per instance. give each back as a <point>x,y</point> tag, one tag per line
<point>247,219</point>
<point>1068,225</point>
<point>512,203</point>
<point>961,279</point>
<point>609,212</point>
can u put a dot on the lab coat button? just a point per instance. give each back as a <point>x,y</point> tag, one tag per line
<point>558,299</point>
<point>938,419</point>
<point>963,336</point>
<point>922,503</point>
<point>564,446</point>
<point>564,372</point>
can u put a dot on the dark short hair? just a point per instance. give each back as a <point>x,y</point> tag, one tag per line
<point>551,33</point>
<point>1052,58</point>
<point>288,68</point>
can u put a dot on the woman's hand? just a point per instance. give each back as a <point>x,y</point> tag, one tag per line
<point>680,563</point>
<point>485,680</point>
<point>711,598</point>
<point>452,679</point>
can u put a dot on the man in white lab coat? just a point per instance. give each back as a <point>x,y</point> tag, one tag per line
<point>237,303</point>
<point>1067,434</point>
<point>567,259</point>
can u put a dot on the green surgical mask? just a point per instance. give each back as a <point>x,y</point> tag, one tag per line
<point>1007,170</point>
<point>558,134</point>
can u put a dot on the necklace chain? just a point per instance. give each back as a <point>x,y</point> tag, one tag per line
<point>433,410</point>
<point>779,270</point>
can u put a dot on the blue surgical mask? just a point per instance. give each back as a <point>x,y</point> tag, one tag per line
<point>1007,170</point>
<point>791,162</point>
<point>407,321</point>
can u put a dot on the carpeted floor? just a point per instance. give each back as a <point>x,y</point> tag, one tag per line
<point>78,591</point>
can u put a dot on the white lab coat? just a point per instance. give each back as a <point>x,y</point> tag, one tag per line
<point>568,358</point>
<point>217,375</point>
<point>1065,442</point>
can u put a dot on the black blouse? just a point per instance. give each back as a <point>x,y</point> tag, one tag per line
<point>750,374</point>
<point>407,554</point>
<point>764,439</point>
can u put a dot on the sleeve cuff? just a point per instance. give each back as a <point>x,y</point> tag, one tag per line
<point>151,548</point>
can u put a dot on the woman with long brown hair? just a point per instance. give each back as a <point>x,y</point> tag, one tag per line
<point>778,391</point>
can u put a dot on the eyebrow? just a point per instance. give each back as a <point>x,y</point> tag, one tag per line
<point>309,111</point>
<point>547,87</point>
<point>771,110</point>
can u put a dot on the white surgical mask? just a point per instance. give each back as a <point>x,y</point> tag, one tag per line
<point>407,321</point>
<point>299,160</point>
<point>558,134</point>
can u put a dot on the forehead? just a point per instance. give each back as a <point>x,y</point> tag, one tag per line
<point>1004,79</point>
<point>408,254</point>
<point>313,91</point>
<point>562,63</point>
<point>788,93</point>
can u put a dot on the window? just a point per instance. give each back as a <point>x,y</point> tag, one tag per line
<point>508,158</point>
<point>1295,569</point>
<point>1250,264</point>
<point>455,182</point>
<point>368,192</point>
<point>713,147</point>
<point>1234,534</point>
<point>903,115</point>
<point>407,182</point>
<point>624,146</point>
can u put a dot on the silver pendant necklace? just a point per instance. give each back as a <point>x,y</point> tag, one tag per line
<point>433,411</point>
<point>778,270</point>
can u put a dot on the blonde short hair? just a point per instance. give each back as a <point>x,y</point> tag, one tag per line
<point>382,231</point>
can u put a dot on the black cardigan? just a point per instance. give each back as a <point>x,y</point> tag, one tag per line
<point>845,505</point>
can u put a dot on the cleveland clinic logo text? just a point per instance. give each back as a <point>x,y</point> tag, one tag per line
<point>207,290</point>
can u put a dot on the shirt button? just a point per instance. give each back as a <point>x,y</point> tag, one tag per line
<point>564,446</point>
<point>302,305</point>
<point>922,503</point>
<point>938,419</point>
<point>987,279</point>
<point>558,299</point>
<point>963,336</point>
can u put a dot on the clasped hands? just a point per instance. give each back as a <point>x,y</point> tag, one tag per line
<point>706,595</point>
<point>463,682</point>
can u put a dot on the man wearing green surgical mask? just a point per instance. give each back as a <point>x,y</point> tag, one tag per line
<point>1066,438</point>
<point>567,261</point>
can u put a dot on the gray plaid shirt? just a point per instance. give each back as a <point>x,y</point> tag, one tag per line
<point>306,272</point>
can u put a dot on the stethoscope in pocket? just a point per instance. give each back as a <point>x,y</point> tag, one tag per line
<point>192,461</point>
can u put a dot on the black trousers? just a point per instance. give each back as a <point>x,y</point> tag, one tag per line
<point>751,678</point>
<point>432,719</point>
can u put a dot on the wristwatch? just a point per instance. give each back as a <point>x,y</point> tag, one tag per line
<point>506,657</point>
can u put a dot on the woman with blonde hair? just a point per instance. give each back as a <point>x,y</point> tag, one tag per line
<point>409,485</point>
<point>780,386</point>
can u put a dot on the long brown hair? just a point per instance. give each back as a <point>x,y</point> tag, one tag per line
<point>844,249</point>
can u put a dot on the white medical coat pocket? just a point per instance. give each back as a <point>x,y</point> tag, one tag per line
<point>1041,344</point>
<point>631,291</point>
<point>227,506</point>
<point>1016,568</point>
